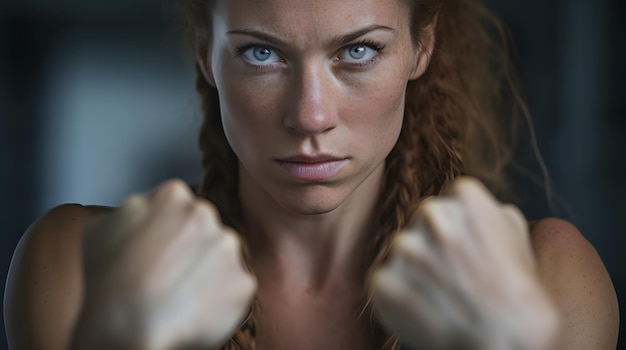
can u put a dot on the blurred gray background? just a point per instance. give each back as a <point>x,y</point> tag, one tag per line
<point>97,101</point>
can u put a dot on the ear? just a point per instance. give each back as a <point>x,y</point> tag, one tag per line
<point>204,62</point>
<point>424,51</point>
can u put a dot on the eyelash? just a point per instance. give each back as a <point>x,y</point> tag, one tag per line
<point>378,47</point>
<point>240,50</point>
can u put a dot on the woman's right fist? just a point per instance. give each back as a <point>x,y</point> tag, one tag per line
<point>162,272</point>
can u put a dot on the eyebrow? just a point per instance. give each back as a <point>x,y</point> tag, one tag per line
<point>337,41</point>
<point>347,38</point>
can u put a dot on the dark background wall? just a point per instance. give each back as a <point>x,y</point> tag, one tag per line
<point>97,101</point>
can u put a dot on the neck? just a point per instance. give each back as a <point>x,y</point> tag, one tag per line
<point>310,252</point>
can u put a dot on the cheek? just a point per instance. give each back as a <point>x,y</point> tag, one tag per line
<point>377,114</point>
<point>248,114</point>
<point>248,117</point>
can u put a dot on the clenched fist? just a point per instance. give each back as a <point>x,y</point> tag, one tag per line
<point>463,277</point>
<point>162,272</point>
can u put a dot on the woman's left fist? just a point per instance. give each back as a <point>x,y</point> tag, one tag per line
<point>463,277</point>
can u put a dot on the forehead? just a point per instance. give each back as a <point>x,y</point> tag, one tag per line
<point>294,19</point>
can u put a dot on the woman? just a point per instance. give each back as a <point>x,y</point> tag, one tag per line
<point>335,136</point>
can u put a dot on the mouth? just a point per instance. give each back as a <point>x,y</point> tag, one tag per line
<point>312,168</point>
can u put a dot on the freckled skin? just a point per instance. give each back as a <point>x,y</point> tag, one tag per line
<point>311,103</point>
<point>68,285</point>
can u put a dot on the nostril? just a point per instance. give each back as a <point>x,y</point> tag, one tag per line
<point>310,117</point>
<point>311,122</point>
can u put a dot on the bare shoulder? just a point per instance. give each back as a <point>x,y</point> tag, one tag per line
<point>573,273</point>
<point>44,287</point>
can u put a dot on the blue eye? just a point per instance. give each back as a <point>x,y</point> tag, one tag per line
<point>358,53</point>
<point>260,55</point>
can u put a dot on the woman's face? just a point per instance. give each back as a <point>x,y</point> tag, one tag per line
<point>311,93</point>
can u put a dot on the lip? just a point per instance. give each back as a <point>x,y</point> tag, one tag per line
<point>312,168</point>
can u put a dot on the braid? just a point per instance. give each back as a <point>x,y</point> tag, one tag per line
<point>219,163</point>
<point>452,126</point>
<point>220,185</point>
<point>452,120</point>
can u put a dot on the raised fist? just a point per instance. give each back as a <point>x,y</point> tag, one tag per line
<point>162,272</point>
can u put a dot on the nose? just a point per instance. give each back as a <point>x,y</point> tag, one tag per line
<point>312,109</point>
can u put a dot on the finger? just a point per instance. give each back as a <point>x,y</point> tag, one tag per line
<point>186,221</point>
<point>469,243</point>
<point>197,233</point>
<point>459,273</point>
<point>178,246</point>
<point>173,192</point>
<point>412,257</point>
<point>518,220</point>
<point>515,215</point>
<point>217,289</point>
<point>232,298</point>
<point>415,246</point>
<point>502,228</point>
<point>473,194</point>
<point>444,220</point>
<point>484,216</point>
<point>210,217</point>
<point>136,203</point>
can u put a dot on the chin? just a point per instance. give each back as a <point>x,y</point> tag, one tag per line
<point>310,210</point>
<point>313,202</point>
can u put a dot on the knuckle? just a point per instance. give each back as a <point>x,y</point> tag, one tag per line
<point>514,214</point>
<point>465,183</point>
<point>410,241</point>
<point>428,208</point>
<point>513,211</point>
<point>427,203</point>
<point>411,247</point>
<point>442,217</point>
<point>248,286</point>
<point>229,241</point>
<point>173,190</point>
<point>194,219</point>
<point>435,204</point>
<point>134,202</point>
<point>197,212</point>
<point>472,189</point>
<point>207,216</point>
<point>208,210</point>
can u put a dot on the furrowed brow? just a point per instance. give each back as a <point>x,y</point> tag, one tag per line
<point>347,38</point>
<point>335,42</point>
<point>259,35</point>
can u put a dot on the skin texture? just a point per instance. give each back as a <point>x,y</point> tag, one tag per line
<point>43,292</point>
<point>319,102</point>
<point>163,272</point>
<point>466,269</point>
<point>309,238</point>
<point>146,260</point>
<point>125,277</point>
